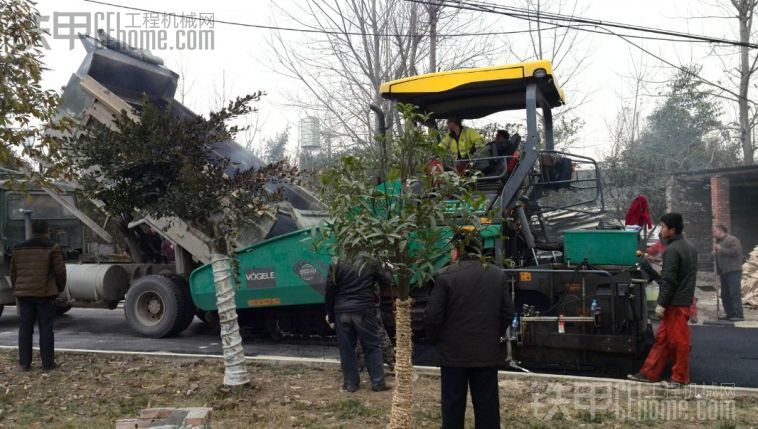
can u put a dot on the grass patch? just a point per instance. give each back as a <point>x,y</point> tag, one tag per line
<point>352,409</point>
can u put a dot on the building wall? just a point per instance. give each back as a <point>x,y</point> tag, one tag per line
<point>692,198</point>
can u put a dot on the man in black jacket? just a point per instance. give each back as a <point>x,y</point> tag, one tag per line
<point>677,288</point>
<point>467,314</point>
<point>351,307</point>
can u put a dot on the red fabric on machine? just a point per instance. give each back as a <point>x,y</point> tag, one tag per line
<point>672,344</point>
<point>639,212</point>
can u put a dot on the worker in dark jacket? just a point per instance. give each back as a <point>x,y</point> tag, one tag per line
<point>467,314</point>
<point>728,253</point>
<point>38,275</point>
<point>677,288</point>
<point>351,307</point>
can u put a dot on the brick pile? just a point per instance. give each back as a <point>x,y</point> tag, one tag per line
<point>169,418</point>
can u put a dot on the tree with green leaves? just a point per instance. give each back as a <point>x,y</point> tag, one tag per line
<point>26,110</point>
<point>405,224</point>
<point>164,166</point>
<point>683,133</point>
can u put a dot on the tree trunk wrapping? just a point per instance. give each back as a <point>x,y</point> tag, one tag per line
<point>401,416</point>
<point>235,373</point>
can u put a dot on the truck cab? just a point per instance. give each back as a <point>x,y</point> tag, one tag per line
<point>66,228</point>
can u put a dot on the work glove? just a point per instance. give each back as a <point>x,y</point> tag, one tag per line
<point>328,322</point>
<point>660,311</point>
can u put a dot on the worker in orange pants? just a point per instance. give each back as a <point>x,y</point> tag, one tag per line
<point>677,292</point>
<point>672,343</point>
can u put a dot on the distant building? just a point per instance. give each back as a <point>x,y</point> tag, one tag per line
<point>710,197</point>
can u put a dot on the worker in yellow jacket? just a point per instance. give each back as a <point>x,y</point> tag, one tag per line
<point>461,142</point>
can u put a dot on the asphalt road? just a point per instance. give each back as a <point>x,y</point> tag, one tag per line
<point>719,355</point>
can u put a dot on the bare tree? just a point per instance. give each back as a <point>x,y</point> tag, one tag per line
<point>745,10</point>
<point>739,76</point>
<point>560,45</point>
<point>362,43</point>
<point>250,124</point>
<point>185,84</point>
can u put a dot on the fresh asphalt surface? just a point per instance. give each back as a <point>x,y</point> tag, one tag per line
<point>720,354</point>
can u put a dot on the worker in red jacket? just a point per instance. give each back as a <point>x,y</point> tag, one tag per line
<point>639,213</point>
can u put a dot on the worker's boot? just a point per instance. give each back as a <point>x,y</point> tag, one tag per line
<point>639,377</point>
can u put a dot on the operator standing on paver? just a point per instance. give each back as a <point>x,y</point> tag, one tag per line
<point>677,289</point>
<point>38,275</point>
<point>460,142</point>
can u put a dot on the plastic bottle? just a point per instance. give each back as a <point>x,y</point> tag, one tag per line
<point>561,325</point>
<point>596,310</point>
<point>515,323</point>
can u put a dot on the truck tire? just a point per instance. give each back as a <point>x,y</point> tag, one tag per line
<point>155,306</point>
<point>188,314</point>
<point>61,310</point>
<point>2,307</point>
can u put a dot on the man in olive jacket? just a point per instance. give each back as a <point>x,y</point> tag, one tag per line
<point>38,275</point>
<point>677,288</point>
<point>467,314</point>
<point>728,253</point>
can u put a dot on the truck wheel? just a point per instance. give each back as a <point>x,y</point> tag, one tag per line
<point>188,315</point>
<point>155,306</point>
<point>61,310</point>
<point>2,307</point>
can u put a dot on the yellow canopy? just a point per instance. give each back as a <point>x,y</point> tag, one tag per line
<point>474,93</point>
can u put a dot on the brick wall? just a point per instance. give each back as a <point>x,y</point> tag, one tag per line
<point>721,211</point>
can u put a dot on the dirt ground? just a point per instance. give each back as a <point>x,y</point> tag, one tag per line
<point>92,391</point>
<point>707,284</point>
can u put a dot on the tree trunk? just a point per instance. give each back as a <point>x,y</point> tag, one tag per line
<point>401,416</point>
<point>433,11</point>
<point>235,372</point>
<point>745,17</point>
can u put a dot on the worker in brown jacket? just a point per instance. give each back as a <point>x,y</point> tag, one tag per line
<point>38,275</point>
<point>727,250</point>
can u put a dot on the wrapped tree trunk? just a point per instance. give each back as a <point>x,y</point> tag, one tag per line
<point>235,372</point>
<point>401,416</point>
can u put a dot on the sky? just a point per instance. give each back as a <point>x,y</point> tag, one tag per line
<point>238,61</point>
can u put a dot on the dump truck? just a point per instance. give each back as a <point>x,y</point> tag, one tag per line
<point>157,301</point>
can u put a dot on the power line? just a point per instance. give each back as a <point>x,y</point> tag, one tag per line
<point>609,32</point>
<point>683,69</point>
<point>303,30</point>
<point>530,15</point>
